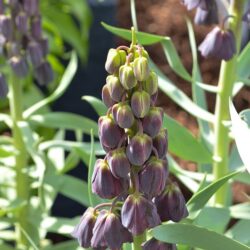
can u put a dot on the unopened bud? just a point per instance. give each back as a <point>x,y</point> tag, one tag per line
<point>44,73</point>
<point>35,53</point>
<point>152,122</point>
<point>140,103</point>
<point>36,28</point>
<point>6,27</point>
<point>110,133</point>
<point>115,88</point>
<point>127,77</point>
<point>141,68</point>
<point>123,115</point>
<point>118,163</point>
<point>139,149</point>
<point>160,143</point>
<point>106,98</point>
<point>19,65</point>
<point>31,7</point>
<point>22,22</point>
<point>151,84</point>
<point>115,59</point>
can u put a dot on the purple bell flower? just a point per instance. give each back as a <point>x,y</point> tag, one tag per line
<point>152,122</point>
<point>83,232</point>
<point>171,204</point>
<point>152,179</point>
<point>219,44</point>
<point>109,132</point>
<point>109,232</point>
<point>119,163</point>
<point>160,143</point>
<point>44,73</point>
<point>206,17</point>
<point>139,149</point>
<point>138,214</point>
<point>19,65</point>
<point>104,183</point>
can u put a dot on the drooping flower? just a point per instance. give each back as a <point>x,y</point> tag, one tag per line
<point>219,44</point>
<point>154,244</point>
<point>138,214</point>
<point>171,204</point>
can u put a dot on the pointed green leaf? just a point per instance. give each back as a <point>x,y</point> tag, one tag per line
<point>195,236</point>
<point>97,104</point>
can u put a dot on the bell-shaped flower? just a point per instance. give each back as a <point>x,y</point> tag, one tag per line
<point>171,204</point>
<point>152,178</point>
<point>104,183</point>
<point>139,149</point>
<point>83,232</point>
<point>219,44</point>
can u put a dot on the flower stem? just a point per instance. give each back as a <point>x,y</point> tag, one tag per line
<point>133,14</point>
<point>22,180</point>
<point>226,82</point>
<point>138,240</point>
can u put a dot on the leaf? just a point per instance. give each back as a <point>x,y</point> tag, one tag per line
<point>195,236</point>
<point>188,148</point>
<point>240,232</point>
<point>179,97</point>
<point>6,151</point>
<point>69,145</point>
<point>64,120</point>
<point>70,187</point>
<point>66,27</point>
<point>208,88</point>
<point>243,62</point>
<point>97,104</point>
<point>241,134</point>
<point>59,91</point>
<point>6,247</point>
<point>241,211</point>
<point>142,37</point>
<point>68,245</point>
<point>220,218</point>
<point>13,206</point>
<point>198,93</point>
<point>59,225</point>
<point>174,59</point>
<point>199,199</point>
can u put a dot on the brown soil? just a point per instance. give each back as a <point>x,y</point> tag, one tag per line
<point>167,18</point>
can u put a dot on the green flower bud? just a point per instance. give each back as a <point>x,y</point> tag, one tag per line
<point>127,77</point>
<point>115,59</point>
<point>144,53</point>
<point>151,84</point>
<point>141,68</point>
<point>140,103</point>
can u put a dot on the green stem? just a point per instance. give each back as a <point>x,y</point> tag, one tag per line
<point>226,82</point>
<point>138,240</point>
<point>22,180</point>
<point>133,14</point>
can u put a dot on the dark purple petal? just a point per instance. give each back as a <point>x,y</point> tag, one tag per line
<point>140,103</point>
<point>44,73</point>
<point>3,86</point>
<point>160,143</point>
<point>154,244</point>
<point>139,149</point>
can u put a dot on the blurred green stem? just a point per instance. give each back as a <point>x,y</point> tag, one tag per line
<point>226,82</point>
<point>138,240</point>
<point>133,14</point>
<point>22,180</point>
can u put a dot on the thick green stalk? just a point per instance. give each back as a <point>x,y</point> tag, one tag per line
<point>22,180</point>
<point>138,240</point>
<point>226,82</point>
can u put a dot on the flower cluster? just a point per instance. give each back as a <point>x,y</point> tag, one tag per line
<point>220,42</point>
<point>134,172</point>
<point>21,39</point>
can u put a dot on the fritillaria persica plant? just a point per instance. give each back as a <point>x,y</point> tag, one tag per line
<point>134,172</point>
